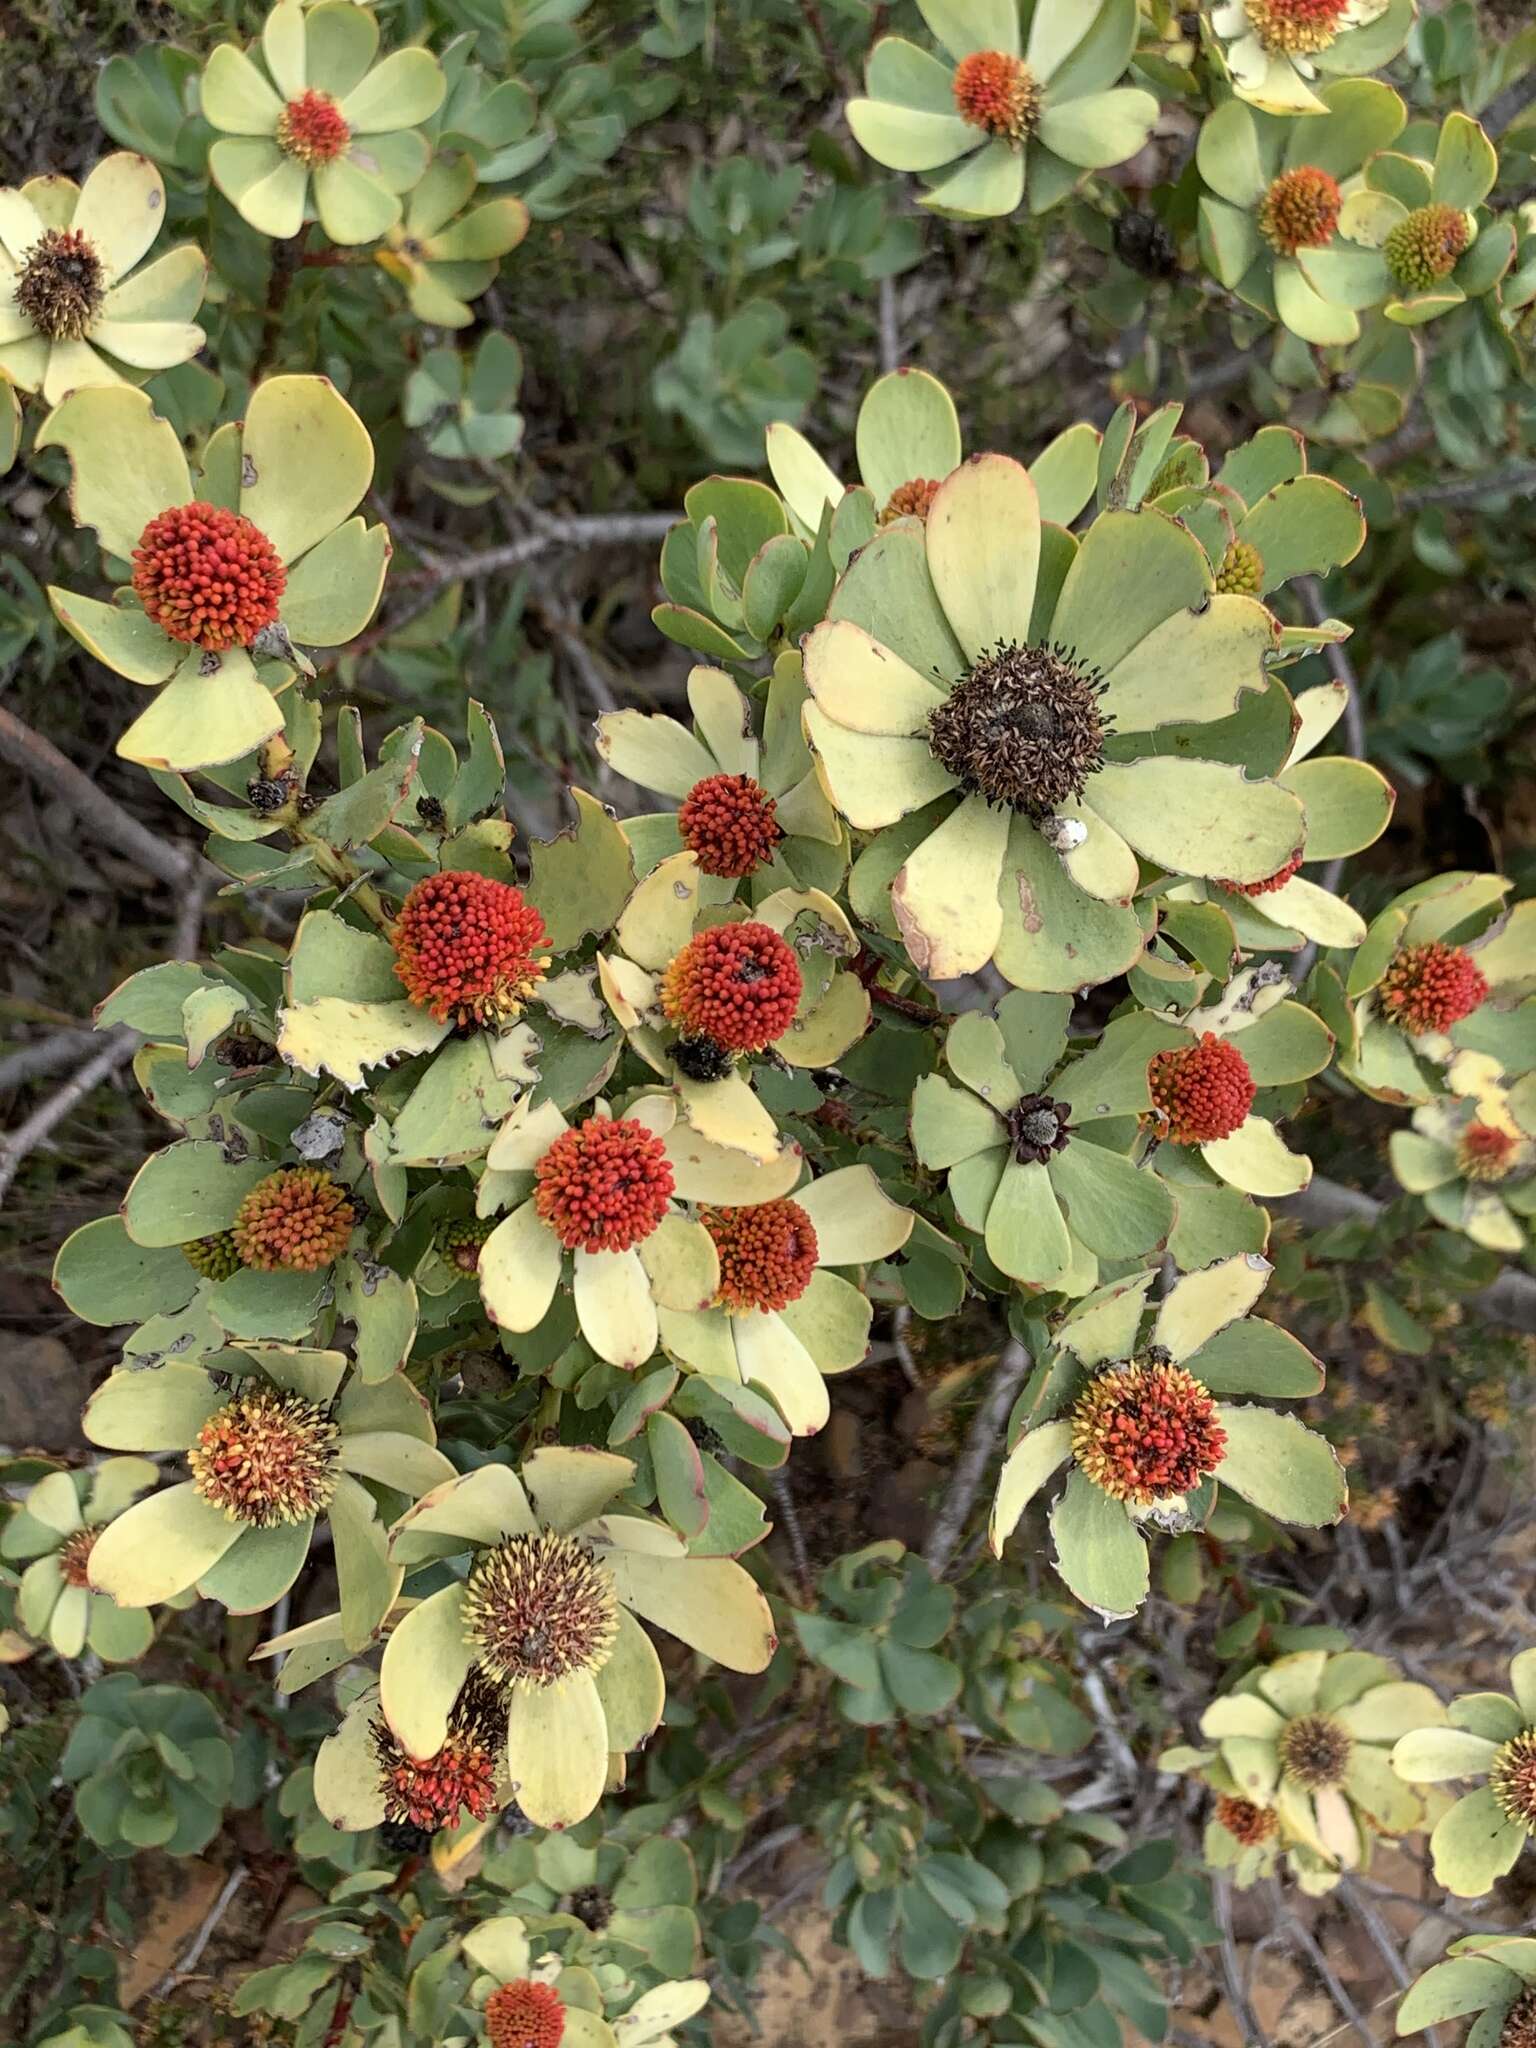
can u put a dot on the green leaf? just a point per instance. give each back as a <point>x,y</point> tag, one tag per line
<point>1283,1468</point>
<point>582,878</point>
<point>1099,1550</point>
<point>680,1488</point>
<point>189,1190</point>
<point>104,1277</point>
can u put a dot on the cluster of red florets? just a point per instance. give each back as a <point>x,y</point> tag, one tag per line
<point>431,1792</point>
<point>996,91</point>
<point>524,2015</point>
<point>738,984</point>
<point>1300,210</point>
<point>1296,28</point>
<point>1430,987</point>
<point>767,1254</point>
<point>1146,1432</point>
<point>208,576</point>
<point>1486,1153</point>
<point>1245,1822</point>
<point>604,1185</point>
<point>469,948</point>
<point>727,822</point>
<point>1269,884</point>
<point>266,1458</point>
<point>313,128</point>
<point>911,500</point>
<point>1200,1092</point>
<point>295,1221</point>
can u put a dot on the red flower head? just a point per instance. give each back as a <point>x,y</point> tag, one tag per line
<point>295,1221</point>
<point>468,947</point>
<point>1431,987</point>
<point>1300,210</point>
<point>208,576</point>
<point>1296,28</point>
<point>1269,884</point>
<point>911,500</point>
<point>313,128</point>
<point>1200,1092</point>
<point>524,2015</point>
<point>1146,1432</point>
<point>728,822</point>
<point>266,1458</point>
<point>430,1792</point>
<point>1247,1823</point>
<point>738,984</point>
<point>767,1254</point>
<point>996,91</point>
<point>604,1185</point>
<point>1484,1152</point>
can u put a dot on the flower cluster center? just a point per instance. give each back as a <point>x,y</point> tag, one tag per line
<point>1430,987</point>
<point>1269,884</point>
<point>1201,1092</point>
<point>767,1254</point>
<point>295,1221</point>
<point>911,500</point>
<point>429,1793</point>
<point>1424,249</point>
<point>313,128</point>
<point>1512,1779</point>
<point>1296,28</point>
<point>1025,729</point>
<point>207,576</point>
<point>1486,1153</point>
<point>604,1185</point>
<point>1038,1127</point>
<point>1146,1432</point>
<point>728,823</point>
<point>738,984</point>
<point>997,91</point>
<point>539,1610</point>
<point>266,1458</point>
<point>1245,1822</point>
<point>1300,210</point>
<point>1315,1750</point>
<point>468,948</point>
<point>524,2015</point>
<point>75,1556</point>
<point>459,1242</point>
<point>61,284</point>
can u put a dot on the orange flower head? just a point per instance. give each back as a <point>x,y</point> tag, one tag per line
<point>1430,987</point>
<point>1200,1092</point>
<point>469,948</point>
<point>998,92</point>
<point>1296,28</point>
<point>738,984</point>
<point>603,1185</point>
<point>208,576</point>
<point>266,1459</point>
<point>312,128</point>
<point>1245,1822</point>
<point>767,1254</point>
<point>1269,884</point>
<point>295,1221</point>
<point>1300,210</point>
<point>430,1792</point>
<point>911,500</point>
<point>1146,1432</point>
<point>728,823</point>
<point>524,2015</point>
<point>1485,1153</point>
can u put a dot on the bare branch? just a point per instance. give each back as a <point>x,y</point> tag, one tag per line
<point>584,530</point>
<point>987,1427</point>
<point>1515,479</point>
<point>41,759</point>
<point>45,1056</point>
<point>890,333</point>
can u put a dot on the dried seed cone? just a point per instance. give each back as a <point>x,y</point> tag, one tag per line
<point>1315,1750</point>
<point>540,1609</point>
